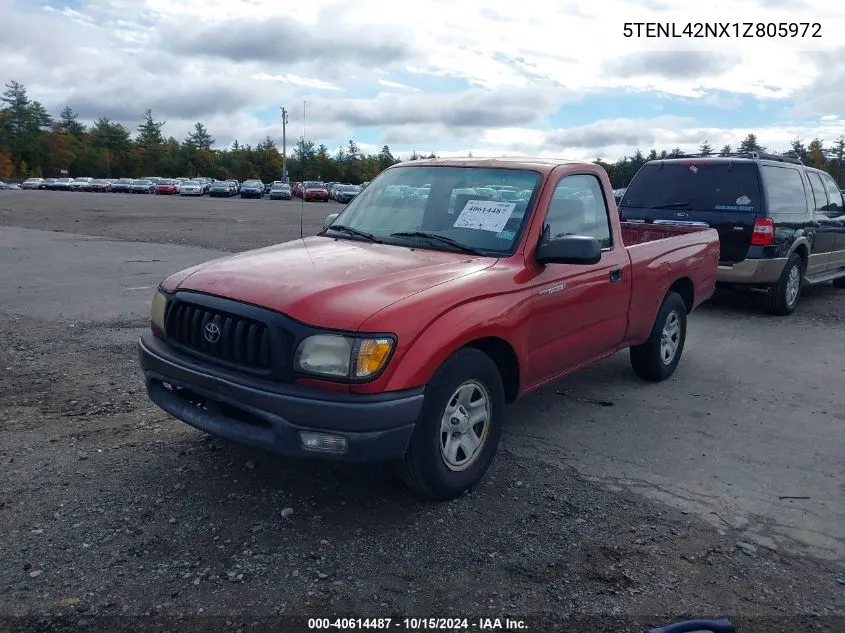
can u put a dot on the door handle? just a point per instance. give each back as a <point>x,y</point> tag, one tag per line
<point>616,275</point>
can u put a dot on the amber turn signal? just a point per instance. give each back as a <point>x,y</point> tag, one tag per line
<point>372,355</point>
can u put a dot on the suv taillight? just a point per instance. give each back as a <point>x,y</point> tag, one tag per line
<point>763,233</point>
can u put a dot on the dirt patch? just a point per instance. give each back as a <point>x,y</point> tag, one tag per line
<point>110,505</point>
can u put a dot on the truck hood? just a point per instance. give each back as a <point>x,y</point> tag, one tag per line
<point>329,283</point>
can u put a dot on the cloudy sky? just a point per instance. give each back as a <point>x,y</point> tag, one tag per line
<point>492,77</point>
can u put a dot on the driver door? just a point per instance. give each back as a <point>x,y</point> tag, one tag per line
<point>579,312</point>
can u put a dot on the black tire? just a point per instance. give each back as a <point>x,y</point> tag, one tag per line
<point>651,360</point>
<point>424,467</point>
<point>839,283</point>
<point>779,298</point>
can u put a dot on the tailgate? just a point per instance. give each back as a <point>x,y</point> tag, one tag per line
<point>634,233</point>
<point>724,194</point>
<point>734,227</point>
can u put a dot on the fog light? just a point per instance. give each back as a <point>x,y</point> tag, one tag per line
<point>323,442</point>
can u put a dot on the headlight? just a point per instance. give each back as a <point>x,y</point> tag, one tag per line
<point>157,310</point>
<point>338,356</point>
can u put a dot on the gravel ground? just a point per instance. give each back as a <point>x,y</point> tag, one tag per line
<point>108,507</point>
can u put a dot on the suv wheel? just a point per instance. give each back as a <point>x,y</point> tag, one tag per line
<point>658,357</point>
<point>783,296</point>
<point>458,431</point>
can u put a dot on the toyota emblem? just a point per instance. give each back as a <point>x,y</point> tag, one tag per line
<point>211,332</point>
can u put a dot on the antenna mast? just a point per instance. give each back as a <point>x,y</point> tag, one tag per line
<point>302,199</point>
<point>284,145</point>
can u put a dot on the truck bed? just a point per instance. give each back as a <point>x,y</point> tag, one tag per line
<point>634,233</point>
<point>660,253</point>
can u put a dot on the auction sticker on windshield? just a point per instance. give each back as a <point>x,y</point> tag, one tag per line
<point>485,215</point>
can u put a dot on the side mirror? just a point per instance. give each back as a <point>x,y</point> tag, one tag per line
<point>572,249</point>
<point>328,221</point>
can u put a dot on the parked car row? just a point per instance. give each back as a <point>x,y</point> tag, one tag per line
<point>149,184</point>
<point>315,190</point>
<point>277,190</point>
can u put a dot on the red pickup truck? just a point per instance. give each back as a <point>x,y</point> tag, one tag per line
<point>443,291</point>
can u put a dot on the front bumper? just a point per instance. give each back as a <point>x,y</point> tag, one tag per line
<point>270,416</point>
<point>252,194</point>
<point>752,271</point>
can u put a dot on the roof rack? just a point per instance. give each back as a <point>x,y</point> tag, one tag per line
<point>753,155</point>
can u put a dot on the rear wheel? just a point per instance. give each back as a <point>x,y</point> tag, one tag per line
<point>458,431</point>
<point>782,297</point>
<point>658,357</point>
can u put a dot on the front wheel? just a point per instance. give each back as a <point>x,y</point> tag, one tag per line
<point>839,283</point>
<point>458,431</point>
<point>782,297</point>
<point>658,357</point>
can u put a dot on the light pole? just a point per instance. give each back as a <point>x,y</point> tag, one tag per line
<point>284,145</point>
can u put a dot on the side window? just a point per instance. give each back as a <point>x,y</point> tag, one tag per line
<point>578,208</point>
<point>785,191</point>
<point>818,192</point>
<point>834,196</point>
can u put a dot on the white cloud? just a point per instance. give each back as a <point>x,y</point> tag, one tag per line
<point>508,67</point>
<point>287,78</point>
<point>395,84</point>
<point>615,138</point>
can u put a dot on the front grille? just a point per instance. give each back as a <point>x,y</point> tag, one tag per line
<point>222,336</point>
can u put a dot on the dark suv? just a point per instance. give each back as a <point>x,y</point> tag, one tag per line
<point>780,222</point>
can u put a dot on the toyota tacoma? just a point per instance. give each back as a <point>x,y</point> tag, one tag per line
<point>446,289</point>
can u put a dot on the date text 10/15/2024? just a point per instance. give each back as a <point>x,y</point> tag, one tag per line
<point>417,624</point>
<point>740,30</point>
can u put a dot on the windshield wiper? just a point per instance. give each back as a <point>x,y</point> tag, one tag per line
<point>439,238</point>
<point>340,228</point>
<point>671,205</point>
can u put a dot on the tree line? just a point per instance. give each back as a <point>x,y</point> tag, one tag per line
<point>35,143</point>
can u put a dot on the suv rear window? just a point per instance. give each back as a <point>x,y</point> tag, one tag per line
<point>784,191</point>
<point>697,184</point>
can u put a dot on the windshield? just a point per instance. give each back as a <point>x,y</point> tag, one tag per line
<point>350,189</point>
<point>442,201</point>
<point>313,184</point>
<point>699,185</point>
<point>165,182</point>
<point>82,179</point>
<point>252,183</point>
<point>125,181</point>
